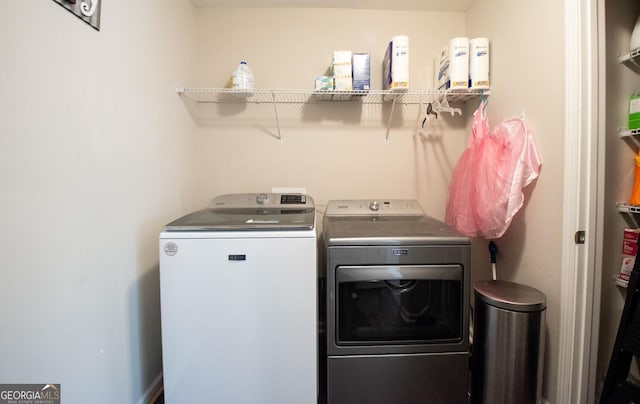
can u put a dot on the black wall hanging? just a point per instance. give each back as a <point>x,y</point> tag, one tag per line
<point>87,10</point>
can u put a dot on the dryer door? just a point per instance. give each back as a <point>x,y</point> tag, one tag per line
<point>398,305</point>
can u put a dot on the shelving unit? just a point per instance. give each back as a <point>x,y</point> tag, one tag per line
<point>281,96</point>
<point>630,213</point>
<point>626,208</point>
<point>632,61</point>
<point>623,132</point>
<point>620,282</point>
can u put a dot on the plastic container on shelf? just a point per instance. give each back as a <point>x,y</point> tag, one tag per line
<point>395,65</point>
<point>459,63</point>
<point>634,112</point>
<point>242,79</point>
<point>635,192</point>
<point>479,64</point>
<point>634,43</point>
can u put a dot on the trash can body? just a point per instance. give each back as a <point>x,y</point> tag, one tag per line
<point>508,343</point>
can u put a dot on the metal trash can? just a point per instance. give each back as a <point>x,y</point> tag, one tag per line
<point>508,343</point>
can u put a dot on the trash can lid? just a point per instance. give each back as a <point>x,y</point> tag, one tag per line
<point>510,296</point>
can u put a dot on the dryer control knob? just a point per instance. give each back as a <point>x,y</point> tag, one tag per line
<point>374,206</point>
<point>262,199</point>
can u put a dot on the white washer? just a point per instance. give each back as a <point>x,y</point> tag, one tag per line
<point>239,302</point>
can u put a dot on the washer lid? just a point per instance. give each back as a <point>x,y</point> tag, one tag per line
<point>389,230</point>
<point>267,211</point>
<point>510,296</point>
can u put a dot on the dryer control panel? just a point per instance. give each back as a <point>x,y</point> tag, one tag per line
<point>367,207</point>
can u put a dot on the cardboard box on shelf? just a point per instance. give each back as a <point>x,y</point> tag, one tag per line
<point>361,72</point>
<point>629,252</point>
<point>324,86</point>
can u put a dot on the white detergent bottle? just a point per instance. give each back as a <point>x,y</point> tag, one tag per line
<point>242,79</point>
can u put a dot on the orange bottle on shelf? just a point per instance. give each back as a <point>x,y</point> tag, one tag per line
<point>635,193</point>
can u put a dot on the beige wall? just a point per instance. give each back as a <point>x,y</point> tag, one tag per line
<point>527,75</point>
<point>621,82</point>
<point>99,152</point>
<point>340,152</point>
<point>335,151</point>
<point>96,156</point>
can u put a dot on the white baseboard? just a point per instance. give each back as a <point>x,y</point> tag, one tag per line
<point>149,393</point>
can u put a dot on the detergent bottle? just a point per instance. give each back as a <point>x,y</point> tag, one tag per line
<point>635,193</point>
<point>242,79</point>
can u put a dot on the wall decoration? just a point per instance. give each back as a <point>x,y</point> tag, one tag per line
<point>87,10</point>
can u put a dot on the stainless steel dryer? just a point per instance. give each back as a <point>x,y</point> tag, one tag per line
<point>397,298</point>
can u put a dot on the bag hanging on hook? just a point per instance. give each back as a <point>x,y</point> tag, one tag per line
<point>486,188</point>
<point>507,163</point>
<point>459,212</point>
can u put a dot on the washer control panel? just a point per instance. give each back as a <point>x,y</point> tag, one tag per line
<point>365,207</point>
<point>261,200</point>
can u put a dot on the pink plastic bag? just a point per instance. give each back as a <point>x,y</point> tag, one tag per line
<point>459,213</point>
<point>486,189</point>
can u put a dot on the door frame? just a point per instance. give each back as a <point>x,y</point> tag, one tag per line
<point>583,200</point>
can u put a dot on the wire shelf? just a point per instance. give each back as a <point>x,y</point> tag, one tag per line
<point>631,60</point>
<point>278,96</point>
<point>623,132</point>
<point>259,96</point>
<point>626,208</point>
<point>620,282</point>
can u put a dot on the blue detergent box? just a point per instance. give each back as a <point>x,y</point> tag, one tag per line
<point>361,71</point>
